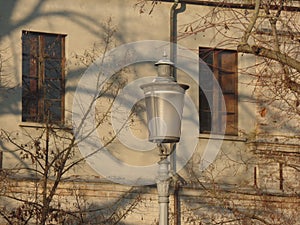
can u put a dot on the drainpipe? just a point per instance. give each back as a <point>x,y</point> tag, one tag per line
<point>176,203</point>
<point>173,37</point>
<point>173,57</point>
<point>173,33</point>
<point>178,182</point>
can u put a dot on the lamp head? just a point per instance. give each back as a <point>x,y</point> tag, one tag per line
<point>164,104</point>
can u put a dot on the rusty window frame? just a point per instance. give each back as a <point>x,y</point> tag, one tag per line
<point>41,80</point>
<point>224,65</point>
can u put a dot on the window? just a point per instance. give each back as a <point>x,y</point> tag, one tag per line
<point>223,64</point>
<point>43,67</point>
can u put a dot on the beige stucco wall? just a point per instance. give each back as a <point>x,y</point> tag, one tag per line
<point>84,23</point>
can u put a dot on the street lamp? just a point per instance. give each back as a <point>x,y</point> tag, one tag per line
<point>164,105</point>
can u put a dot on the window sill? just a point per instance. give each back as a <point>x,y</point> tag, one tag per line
<point>220,137</point>
<point>41,125</point>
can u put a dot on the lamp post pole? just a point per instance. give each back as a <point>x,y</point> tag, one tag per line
<point>163,182</point>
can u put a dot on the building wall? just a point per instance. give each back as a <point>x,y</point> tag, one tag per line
<point>86,23</point>
<point>102,202</point>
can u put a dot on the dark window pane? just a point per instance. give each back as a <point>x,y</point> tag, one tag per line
<point>204,100</point>
<point>53,110</point>
<point>205,121</point>
<point>30,77</point>
<point>30,44</point>
<point>207,56</point>
<point>52,89</point>
<point>206,81</point>
<point>53,46</point>
<point>52,69</point>
<point>30,87</point>
<point>30,109</point>
<point>26,66</point>
<point>30,55</point>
